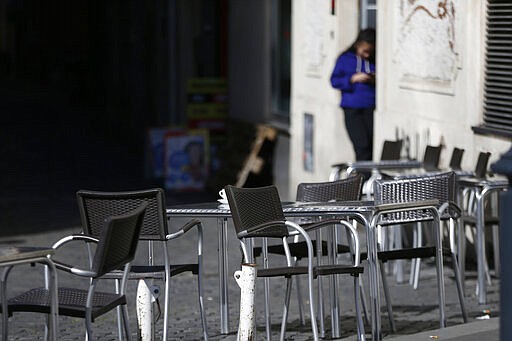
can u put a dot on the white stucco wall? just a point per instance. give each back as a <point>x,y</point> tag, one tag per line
<point>317,39</point>
<point>443,98</point>
<point>429,80</point>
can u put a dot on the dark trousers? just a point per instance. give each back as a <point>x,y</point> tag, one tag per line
<point>359,124</point>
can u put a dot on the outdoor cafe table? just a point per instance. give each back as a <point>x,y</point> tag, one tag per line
<point>482,189</point>
<point>365,212</point>
<point>16,255</point>
<point>372,166</point>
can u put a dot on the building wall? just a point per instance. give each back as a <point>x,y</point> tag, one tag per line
<point>429,80</point>
<point>318,37</point>
<point>430,77</point>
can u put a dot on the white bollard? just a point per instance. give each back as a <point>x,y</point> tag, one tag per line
<point>145,311</point>
<point>246,280</point>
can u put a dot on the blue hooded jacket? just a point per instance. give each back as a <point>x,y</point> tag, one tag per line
<point>353,95</point>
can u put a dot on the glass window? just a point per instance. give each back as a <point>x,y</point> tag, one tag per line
<point>368,14</point>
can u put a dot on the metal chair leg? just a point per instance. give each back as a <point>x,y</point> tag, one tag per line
<point>119,315</point>
<point>268,324</point>
<point>360,325</point>
<point>320,307</point>
<point>200,282</point>
<point>286,308</point>
<point>460,292</point>
<point>126,324</point>
<point>496,249</point>
<point>201,309</point>
<point>302,320</point>
<point>461,254</point>
<point>387,297</point>
<point>363,302</point>
<point>266,285</point>
<point>440,277</point>
<point>417,261</point>
<point>3,293</point>
<point>167,299</point>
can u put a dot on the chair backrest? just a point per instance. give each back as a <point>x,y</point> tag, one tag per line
<point>341,190</point>
<point>96,206</point>
<point>456,159</point>
<point>481,164</point>
<point>432,187</point>
<point>118,241</point>
<point>251,207</point>
<point>431,157</point>
<point>391,150</point>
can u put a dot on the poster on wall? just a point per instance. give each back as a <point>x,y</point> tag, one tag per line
<point>308,143</point>
<point>186,160</point>
<point>155,149</point>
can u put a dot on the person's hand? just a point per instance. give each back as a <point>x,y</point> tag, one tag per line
<point>361,77</point>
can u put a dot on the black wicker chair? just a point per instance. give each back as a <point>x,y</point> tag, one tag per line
<point>95,206</point>
<point>491,216</point>
<point>391,150</point>
<point>439,187</point>
<point>456,159</point>
<point>348,189</point>
<point>431,157</point>
<point>257,213</point>
<point>116,246</point>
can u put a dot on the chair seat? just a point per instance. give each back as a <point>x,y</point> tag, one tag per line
<point>71,302</point>
<point>299,249</point>
<point>153,272</point>
<point>409,253</point>
<point>317,270</point>
<point>323,270</point>
<point>489,220</point>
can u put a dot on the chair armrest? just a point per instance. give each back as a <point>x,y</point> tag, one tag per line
<point>406,206</point>
<point>257,228</point>
<point>74,237</point>
<point>190,224</point>
<point>349,226</point>
<point>73,270</point>
<point>69,268</point>
<point>451,205</point>
<point>319,224</point>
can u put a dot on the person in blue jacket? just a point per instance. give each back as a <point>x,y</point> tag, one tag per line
<point>354,75</point>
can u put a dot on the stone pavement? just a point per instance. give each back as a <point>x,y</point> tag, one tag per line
<point>415,311</point>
